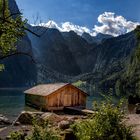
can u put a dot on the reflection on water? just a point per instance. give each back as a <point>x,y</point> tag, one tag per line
<point>98,99</point>
<point>90,101</point>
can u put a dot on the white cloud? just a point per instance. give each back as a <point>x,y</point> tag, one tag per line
<point>66,27</point>
<point>111,24</point>
<point>114,25</point>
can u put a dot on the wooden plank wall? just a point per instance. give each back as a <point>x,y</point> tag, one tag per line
<point>67,96</point>
<point>36,100</point>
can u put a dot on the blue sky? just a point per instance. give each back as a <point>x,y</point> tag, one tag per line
<point>79,12</point>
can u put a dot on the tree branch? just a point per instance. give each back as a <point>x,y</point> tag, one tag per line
<point>30,31</point>
<point>5,20</point>
<point>18,53</point>
<point>3,11</point>
<point>13,14</point>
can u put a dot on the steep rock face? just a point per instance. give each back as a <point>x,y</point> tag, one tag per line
<point>107,63</point>
<point>113,52</point>
<point>51,51</point>
<point>13,6</point>
<point>79,48</point>
<point>110,55</point>
<point>130,80</point>
<point>95,39</point>
<point>78,55</point>
<point>19,71</point>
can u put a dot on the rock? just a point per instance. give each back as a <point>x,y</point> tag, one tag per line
<point>27,117</point>
<point>17,123</point>
<point>138,108</point>
<point>134,100</point>
<point>51,117</point>
<point>4,120</point>
<point>71,120</point>
<point>138,111</point>
<point>64,125</point>
<point>69,135</point>
<point>8,138</point>
<point>47,115</point>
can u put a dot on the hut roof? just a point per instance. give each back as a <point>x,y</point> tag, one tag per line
<point>45,89</point>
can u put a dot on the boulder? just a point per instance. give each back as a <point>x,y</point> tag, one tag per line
<point>27,117</point>
<point>64,125</point>
<point>4,120</point>
<point>51,117</point>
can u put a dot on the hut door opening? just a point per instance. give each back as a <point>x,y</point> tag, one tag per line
<point>67,99</point>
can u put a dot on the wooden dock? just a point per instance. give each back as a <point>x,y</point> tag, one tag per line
<point>77,110</point>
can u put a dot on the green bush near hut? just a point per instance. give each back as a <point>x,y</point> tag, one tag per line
<point>43,132</point>
<point>107,124</point>
<point>16,136</point>
<point>39,132</point>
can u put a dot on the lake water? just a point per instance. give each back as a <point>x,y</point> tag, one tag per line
<point>12,102</point>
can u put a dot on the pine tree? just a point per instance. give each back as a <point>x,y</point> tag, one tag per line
<point>11,29</point>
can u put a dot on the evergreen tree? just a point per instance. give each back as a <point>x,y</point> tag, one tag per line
<point>11,29</point>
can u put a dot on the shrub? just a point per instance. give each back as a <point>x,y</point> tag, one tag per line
<point>40,132</point>
<point>17,136</point>
<point>43,132</point>
<point>107,124</point>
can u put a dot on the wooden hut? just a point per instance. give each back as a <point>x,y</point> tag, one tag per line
<point>55,96</point>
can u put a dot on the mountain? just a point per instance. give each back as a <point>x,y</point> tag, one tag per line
<point>127,81</point>
<point>130,80</point>
<point>51,51</point>
<point>19,71</point>
<point>79,48</point>
<point>95,39</point>
<point>13,6</point>
<point>101,64</point>
<point>108,62</point>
